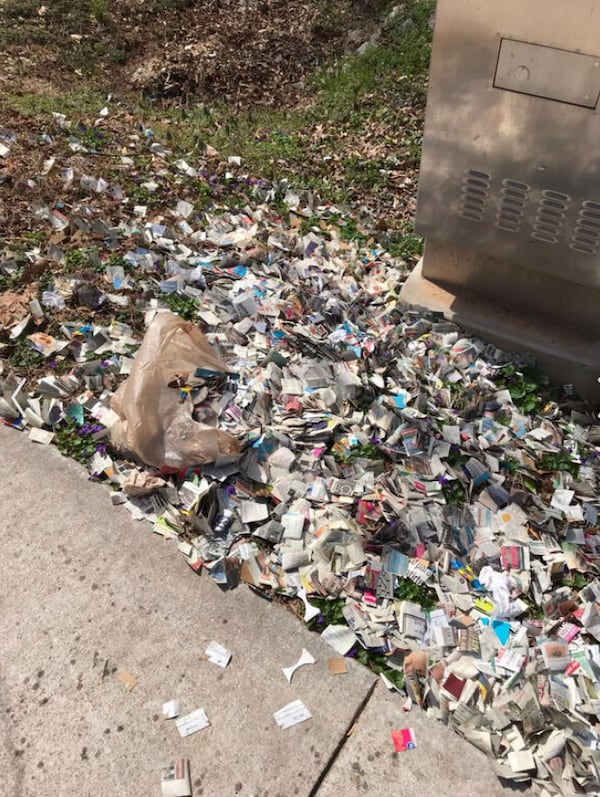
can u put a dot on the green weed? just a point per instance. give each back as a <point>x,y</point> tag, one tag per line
<point>377,662</point>
<point>8,282</point>
<point>561,461</point>
<point>182,306</point>
<point>82,260</point>
<point>91,137</point>
<point>23,357</point>
<point>331,614</point>
<point>99,10</point>
<point>407,590</point>
<point>405,244</point>
<point>139,194</point>
<point>528,389</point>
<point>454,493</point>
<point>118,261</point>
<point>76,441</point>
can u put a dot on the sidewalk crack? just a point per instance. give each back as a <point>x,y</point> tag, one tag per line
<point>344,738</point>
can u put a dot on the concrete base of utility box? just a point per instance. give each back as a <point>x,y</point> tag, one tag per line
<point>516,309</point>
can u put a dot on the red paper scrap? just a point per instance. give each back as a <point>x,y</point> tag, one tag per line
<point>403,739</point>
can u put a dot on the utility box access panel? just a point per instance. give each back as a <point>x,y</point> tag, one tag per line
<point>511,156</point>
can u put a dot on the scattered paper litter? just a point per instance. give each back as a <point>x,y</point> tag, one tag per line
<point>420,491</point>
<point>41,436</point>
<point>305,658</point>
<point>217,654</point>
<point>521,761</point>
<point>337,665</point>
<point>193,722</point>
<point>128,680</point>
<point>340,637</point>
<point>175,779</point>
<point>403,739</point>
<point>171,709</point>
<point>310,611</point>
<point>292,714</point>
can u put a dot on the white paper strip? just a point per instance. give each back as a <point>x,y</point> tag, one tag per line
<point>310,611</point>
<point>292,714</point>
<point>305,658</point>
<point>217,654</point>
<point>171,709</point>
<point>41,436</point>
<point>175,781</point>
<point>190,723</point>
<point>340,637</point>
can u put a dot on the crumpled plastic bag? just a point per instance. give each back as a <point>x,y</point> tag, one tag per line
<point>156,425</point>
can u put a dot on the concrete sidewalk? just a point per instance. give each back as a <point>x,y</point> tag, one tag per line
<point>86,593</point>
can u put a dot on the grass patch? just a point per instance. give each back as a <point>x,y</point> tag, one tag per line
<point>81,35</point>
<point>405,243</point>
<point>383,88</point>
<point>14,10</point>
<point>72,104</point>
<point>99,10</point>
<point>358,132</point>
<point>60,14</point>
<point>260,137</point>
<point>160,6</point>
<point>398,66</point>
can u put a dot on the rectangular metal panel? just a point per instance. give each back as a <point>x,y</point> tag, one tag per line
<point>548,72</point>
<point>510,174</point>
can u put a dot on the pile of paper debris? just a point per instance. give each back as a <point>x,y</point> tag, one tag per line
<point>403,477</point>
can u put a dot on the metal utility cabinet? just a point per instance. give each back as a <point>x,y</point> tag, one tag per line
<point>509,192</point>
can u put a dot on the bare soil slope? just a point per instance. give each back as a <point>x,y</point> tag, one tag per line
<point>245,52</point>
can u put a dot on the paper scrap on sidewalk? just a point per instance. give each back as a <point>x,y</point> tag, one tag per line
<point>171,709</point>
<point>217,654</point>
<point>337,665</point>
<point>310,611</point>
<point>193,722</point>
<point>403,739</point>
<point>305,658</point>
<point>41,436</point>
<point>128,680</point>
<point>292,714</point>
<point>175,780</point>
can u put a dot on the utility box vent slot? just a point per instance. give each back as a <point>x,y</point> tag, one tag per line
<point>510,207</point>
<point>474,195</point>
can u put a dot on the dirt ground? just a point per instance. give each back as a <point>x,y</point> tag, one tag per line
<point>244,52</point>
